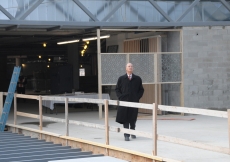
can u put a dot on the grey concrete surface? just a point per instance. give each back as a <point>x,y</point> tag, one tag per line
<point>208,130</point>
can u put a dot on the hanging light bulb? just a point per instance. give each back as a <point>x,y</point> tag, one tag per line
<point>85,46</point>
<point>87,42</point>
<point>44,44</point>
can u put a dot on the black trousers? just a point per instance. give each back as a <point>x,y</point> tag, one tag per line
<point>130,125</point>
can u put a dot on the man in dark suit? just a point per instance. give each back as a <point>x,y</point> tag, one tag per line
<point>129,88</point>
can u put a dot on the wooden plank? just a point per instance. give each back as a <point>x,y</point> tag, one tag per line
<point>198,111</point>
<point>150,53</point>
<point>182,71</point>
<point>15,109</point>
<point>26,115</point>
<point>86,100</point>
<point>27,96</point>
<point>79,123</point>
<point>66,117</point>
<point>194,144</point>
<point>34,130</point>
<point>229,127</point>
<point>130,104</point>
<point>40,113</point>
<point>1,103</point>
<point>154,136</point>
<point>106,122</point>
<point>135,132</point>
<point>53,98</point>
<point>99,70</point>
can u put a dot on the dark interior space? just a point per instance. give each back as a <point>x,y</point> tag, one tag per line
<point>37,52</point>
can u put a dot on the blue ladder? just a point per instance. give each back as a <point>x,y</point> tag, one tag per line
<point>9,98</point>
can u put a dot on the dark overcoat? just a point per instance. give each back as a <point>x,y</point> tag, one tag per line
<point>131,91</point>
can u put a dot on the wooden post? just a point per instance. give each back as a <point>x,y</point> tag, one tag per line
<point>15,111</point>
<point>66,119</point>
<point>229,127</point>
<point>99,71</point>
<point>106,124</point>
<point>40,114</point>
<point>1,103</point>
<point>182,72</point>
<point>154,129</point>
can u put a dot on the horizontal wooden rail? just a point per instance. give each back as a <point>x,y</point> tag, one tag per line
<point>26,96</point>
<point>194,144</point>
<point>137,133</point>
<point>79,123</point>
<point>86,100</point>
<point>28,115</point>
<point>131,104</point>
<point>214,113</point>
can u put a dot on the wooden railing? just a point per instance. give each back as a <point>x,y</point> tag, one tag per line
<point>154,136</point>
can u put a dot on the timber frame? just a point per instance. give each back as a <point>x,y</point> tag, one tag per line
<point>106,148</point>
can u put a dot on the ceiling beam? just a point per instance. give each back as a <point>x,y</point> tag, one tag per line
<point>85,10</point>
<point>53,28</point>
<point>157,7</point>
<point>29,10</point>
<point>188,10</point>
<point>225,4</point>
<point>6,12</point>
<point>119,4</point>
<point>11,27</point>
<point>82,25</point>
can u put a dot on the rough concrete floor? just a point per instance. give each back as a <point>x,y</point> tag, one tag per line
<point>209,130</point>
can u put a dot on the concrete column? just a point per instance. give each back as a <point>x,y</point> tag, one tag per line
<point>18,61</point>
<point>73,59</point>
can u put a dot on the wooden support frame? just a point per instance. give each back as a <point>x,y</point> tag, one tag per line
<point>229,128</point>
<point>40,115</point>
<point>99,70</point>
<point>154,135</point>
<point>106,106</point>
<point>107,128</point>
<point>66,117</point>
<point>1,103</point>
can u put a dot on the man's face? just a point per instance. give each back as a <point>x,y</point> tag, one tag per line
<point>129,68</point>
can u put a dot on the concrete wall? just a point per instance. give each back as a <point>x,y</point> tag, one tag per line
<point>206,67</point>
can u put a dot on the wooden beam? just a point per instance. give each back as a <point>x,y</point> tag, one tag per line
<point>27,96</point>
<point>66,117</point>
<point>229,127</point>
<point>15,109</point>
<point>79,123</point>
<point>135,132</point>
<point>106,125</point>
<point>131,104</point>
<point>40,113</point>
<point>1,103</point>
<point>198,111</point>
<point>194,144</point>
<point>27,115</point>
<point>154,136</point>
<point>86,100</point>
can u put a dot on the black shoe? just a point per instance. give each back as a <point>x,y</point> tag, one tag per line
<point>126,138</point>
<point>133,136</point>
